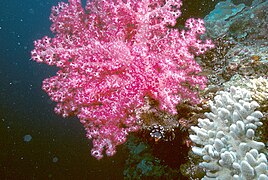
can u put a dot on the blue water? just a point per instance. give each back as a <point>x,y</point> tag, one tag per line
<point>35,143</point>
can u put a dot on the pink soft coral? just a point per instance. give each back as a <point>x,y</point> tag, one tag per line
<point>113,53</point>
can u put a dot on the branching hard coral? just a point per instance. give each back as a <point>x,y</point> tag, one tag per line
<point>225,139</point>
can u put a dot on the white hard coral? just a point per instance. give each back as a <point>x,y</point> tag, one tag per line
<point>225,139</point>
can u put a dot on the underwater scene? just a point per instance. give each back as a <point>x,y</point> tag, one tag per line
<point>134,89</point>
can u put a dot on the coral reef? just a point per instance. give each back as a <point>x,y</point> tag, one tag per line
<point>225,139</point>
<point>143,164</point>
<point>241,44</point>
<point>122,68</point>
<point>220,18</point>
<point>191,169</point>
<point>160,124</point>
<point>257,86</point>
<point>240,58</point>
<point>259,89</point>
<point>238,21</point>
<point>250,59</point>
